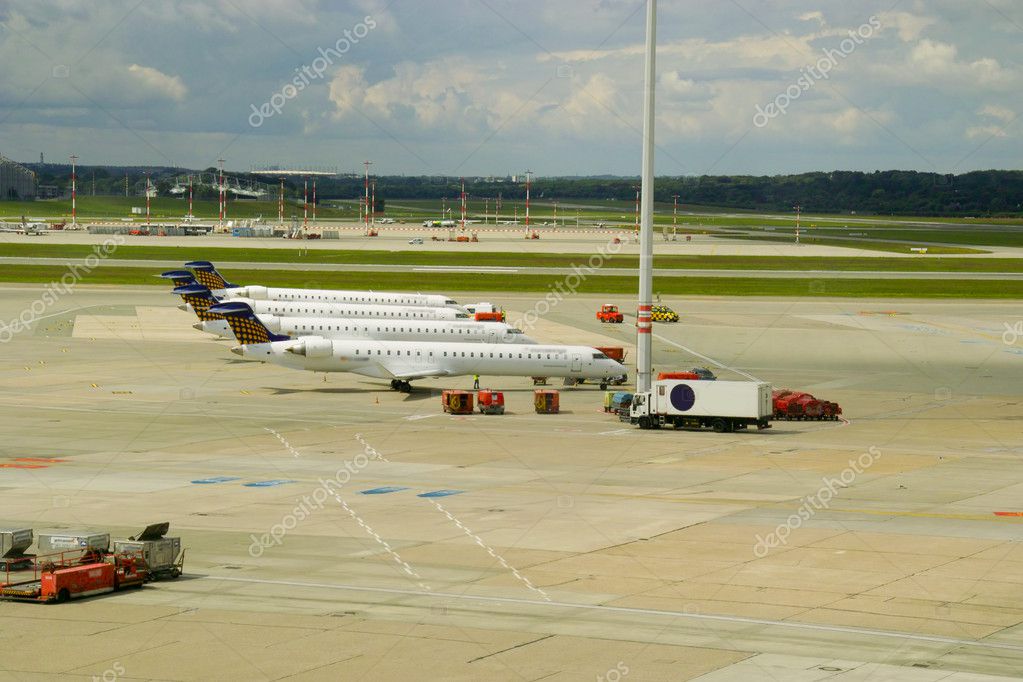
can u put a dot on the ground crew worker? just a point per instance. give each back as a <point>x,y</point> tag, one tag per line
<point>475,381</point>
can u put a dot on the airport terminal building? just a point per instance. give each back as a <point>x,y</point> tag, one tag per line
<point>16,181</point>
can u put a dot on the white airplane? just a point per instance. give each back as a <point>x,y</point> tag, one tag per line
<point>208,276</point>
<point>196,295</point>
<point>405,361</point>
<point>200,301</point>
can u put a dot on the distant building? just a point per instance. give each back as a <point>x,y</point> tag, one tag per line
<point>48,192</point>
<point>16,181</point>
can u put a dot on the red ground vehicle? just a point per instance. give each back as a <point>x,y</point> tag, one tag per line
<point>609,313</point>
<point>490,317</point>
<point>546,401</point>
<point>803,406</point>
<point>51,582</point>
<point>677,375</point>
<point>457,402</point>
<point>490,402</point>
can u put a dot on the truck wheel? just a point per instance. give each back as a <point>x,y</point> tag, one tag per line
<point>719,425</point>
<point>603,386</point>
<point>644,422</point>
<point>63,596</point>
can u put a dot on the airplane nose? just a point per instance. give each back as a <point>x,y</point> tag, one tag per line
<point>238,350</point>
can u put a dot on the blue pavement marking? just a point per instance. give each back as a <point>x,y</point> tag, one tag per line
<point>441,493</point>
<point>267,484</point>
<point>215,479</point>
<point>382,491</point>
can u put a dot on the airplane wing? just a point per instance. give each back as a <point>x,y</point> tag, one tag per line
<point>419,374</point>
<point>409,373</point>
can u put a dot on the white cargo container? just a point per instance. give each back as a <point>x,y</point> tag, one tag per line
<point>14,542</point>
<point>163,555</point>
<point>694,404</point>
<point>73,540</point>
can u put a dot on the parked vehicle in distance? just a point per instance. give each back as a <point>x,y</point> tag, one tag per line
<point>609,313</point>
<point>662,313</point>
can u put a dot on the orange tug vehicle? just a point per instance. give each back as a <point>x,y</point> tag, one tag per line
<point>609,314</point>
<point>490,402</point>
<point>457,402</point>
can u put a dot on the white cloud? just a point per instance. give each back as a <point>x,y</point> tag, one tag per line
<point>908,26</point>
<point>158,82</point>
<point>985,132</point>
<point>1001,113</point>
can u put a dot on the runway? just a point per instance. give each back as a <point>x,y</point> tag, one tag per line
<point>227,266</point>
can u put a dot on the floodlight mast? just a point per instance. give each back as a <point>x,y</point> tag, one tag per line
<point>646,244</point>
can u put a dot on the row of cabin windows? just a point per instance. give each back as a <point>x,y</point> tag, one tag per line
<point>348,312</point>
<point>454,354</point>
<point>330,328</point>
<point>364,299</point>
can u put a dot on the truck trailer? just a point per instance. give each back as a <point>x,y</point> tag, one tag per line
<point>696,404</point>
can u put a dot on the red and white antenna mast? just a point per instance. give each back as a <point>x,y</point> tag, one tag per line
<point>74,192</point>
<point>637,210</point>
<point>147,200</point>
<point>367,164</point>
<point>674,217</point>
<point>799,209</point>
<point>220,188</point>
<point>527,198</point>
<point>373,202</point>
<point>314,200</point>
<point>463,204</point>
<point>190,196</point>
<point>280,203</point>
<point>305,203</point>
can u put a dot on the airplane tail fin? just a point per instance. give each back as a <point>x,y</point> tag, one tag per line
<point>247,328</point>
<point>208,276</point>
<point>201,299</point>
<point>180,278</point>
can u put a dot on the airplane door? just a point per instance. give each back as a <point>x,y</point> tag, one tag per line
<point>577,362</point>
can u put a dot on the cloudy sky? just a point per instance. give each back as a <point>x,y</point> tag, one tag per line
<point>498,86</point>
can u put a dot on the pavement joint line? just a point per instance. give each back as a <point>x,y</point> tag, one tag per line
<point>843,629</point>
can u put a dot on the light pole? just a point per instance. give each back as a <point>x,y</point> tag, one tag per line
<point>646,244</point>
<point>74,193</point>
<point>799,209</point>
<point>674,218</point>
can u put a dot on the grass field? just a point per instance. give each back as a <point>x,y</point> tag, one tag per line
<point>626,286</point>
<point>489,258</point>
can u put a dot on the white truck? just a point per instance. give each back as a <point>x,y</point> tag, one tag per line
<point>695,404</point>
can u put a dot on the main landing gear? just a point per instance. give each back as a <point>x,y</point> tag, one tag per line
<point>401,386</point>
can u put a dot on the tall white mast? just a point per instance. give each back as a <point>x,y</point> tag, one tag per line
<point>646,242</point>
